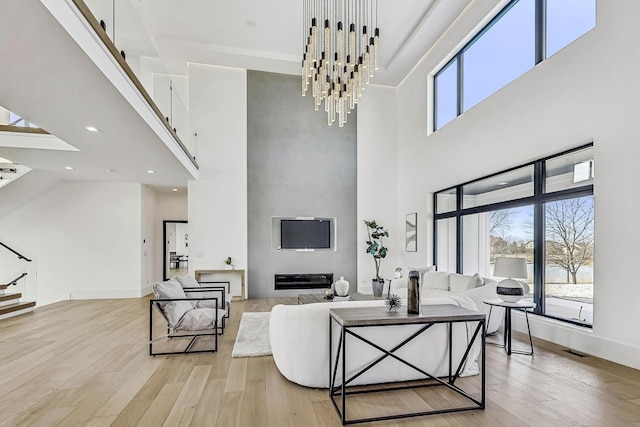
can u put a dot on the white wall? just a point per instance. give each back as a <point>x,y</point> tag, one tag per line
<point>377,180</point>
<point>582,93</point>
<point>85,237</point>
<point>149,240</point>
<point>218,200</point>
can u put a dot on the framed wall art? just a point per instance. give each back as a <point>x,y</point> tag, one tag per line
<point>411,232</point>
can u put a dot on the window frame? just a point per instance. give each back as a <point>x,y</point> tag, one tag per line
<point>540,40</point>
<point>538,200</point>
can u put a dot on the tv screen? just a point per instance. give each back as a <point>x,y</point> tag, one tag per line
<point>305,234</point>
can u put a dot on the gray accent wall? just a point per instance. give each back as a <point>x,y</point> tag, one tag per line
<point>297,166</point>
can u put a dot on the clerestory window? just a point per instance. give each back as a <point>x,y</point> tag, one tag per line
<point>522,35</point>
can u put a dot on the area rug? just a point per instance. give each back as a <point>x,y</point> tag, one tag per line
<point>253,336</point>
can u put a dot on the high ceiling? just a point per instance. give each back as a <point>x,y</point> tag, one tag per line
<point>49,79</point>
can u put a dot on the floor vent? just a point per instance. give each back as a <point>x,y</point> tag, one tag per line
<point>575,353</point>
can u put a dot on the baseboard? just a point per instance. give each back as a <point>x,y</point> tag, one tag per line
<point>106,293</point>
<point>578,338</point>
<point>146,291</point>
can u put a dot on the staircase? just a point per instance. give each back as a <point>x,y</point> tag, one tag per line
<point>10,304</point>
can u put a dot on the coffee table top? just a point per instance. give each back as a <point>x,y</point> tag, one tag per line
<point>355,296</point>
<point>370,316</point>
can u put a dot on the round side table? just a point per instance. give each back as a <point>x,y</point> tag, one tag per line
<point>508,306</point>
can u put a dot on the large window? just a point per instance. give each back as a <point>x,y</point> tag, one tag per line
<point>523,34</point>
<point>543,212</point>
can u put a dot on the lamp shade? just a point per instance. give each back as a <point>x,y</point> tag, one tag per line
<point>511,268</point>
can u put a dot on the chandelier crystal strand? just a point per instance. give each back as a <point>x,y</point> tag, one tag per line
<point>336,65</point>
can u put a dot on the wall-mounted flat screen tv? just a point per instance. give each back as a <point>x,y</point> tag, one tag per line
<point>305,234</point>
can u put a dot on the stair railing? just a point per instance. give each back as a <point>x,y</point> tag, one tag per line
<point>20,256</point>
<point>14,282</point>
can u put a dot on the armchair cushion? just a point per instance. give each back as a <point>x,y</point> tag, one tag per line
<point>173,310</point>
<point>188,281</point>
<point>199,319</point>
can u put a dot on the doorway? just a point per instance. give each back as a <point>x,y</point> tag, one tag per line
<point>176,248</point>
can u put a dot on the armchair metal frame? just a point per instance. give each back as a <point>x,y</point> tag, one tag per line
<point>227,288</point>
<point>172,333</point>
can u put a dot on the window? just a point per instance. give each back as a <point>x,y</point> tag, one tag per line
<point>506,48</point>
<point>568,284</point>
<point>542,211</point>
<point>446,94</point>
<point>503,53</point>
<point>566,21</point>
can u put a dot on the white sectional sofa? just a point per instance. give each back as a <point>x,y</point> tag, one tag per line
<point>300,344</point>
<point>436,284</point>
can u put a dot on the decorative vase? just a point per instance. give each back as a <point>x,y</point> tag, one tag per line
<point>229,267</point>
<point>414,305</point>
<point>510,290</point>
<point>377,285</point>
<point>342,287</point>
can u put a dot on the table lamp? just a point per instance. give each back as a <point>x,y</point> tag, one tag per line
<point>510,290</point>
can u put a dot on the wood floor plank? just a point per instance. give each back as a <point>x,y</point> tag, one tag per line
<point>206,411</point>
<point>87,410</point>
<point>184,407</point>
<point>237,376</point>
<point>157,412</point>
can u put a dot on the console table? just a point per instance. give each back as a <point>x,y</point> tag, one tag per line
<point>350,319</point>
<point>224,274</point>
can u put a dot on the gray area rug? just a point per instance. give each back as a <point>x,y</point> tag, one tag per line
<point>253,336</point>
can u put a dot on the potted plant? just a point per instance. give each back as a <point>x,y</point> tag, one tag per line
<point>229,265</point>
<point>376,248</point>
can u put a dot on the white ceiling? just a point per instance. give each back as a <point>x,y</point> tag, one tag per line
<point>47,78</point>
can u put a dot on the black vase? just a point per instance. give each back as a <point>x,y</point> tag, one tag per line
<point>413,293</point>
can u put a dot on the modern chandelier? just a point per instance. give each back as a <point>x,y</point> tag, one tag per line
<point>340,57</point>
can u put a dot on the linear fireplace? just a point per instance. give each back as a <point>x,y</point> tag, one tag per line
<point>303,281</point>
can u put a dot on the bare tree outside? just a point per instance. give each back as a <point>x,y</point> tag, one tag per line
<point>569,229</point>
<point>500,222</point>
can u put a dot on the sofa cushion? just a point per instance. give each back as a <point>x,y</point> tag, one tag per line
<point>436,280</point>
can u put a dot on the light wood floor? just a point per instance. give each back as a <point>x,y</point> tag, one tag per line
<point>85,363</point>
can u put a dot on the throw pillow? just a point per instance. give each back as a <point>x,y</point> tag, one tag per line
<point>188,281</point>
<point>475,282</point>
<point>436,280</point>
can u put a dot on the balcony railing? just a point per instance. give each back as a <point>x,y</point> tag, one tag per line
<point>118,25</point>
<point>11,122</point>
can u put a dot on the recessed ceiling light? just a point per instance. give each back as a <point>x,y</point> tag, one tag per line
<point>92,129</point>
<point>150,171</point>
<point>502,183</point>
<point>174,189</point>
<point>69,168</point>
